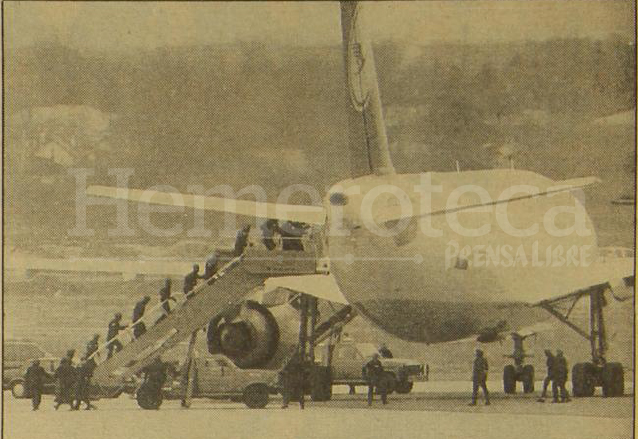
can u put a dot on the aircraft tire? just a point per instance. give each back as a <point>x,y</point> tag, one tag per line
<point>528,379</point>
<point>509,379</point>
<point>583,379</point>
<point>613,380</point>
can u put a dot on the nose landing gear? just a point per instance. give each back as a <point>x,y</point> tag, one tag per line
<point>518,371</point>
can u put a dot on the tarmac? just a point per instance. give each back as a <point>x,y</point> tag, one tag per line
<point>432,410</point>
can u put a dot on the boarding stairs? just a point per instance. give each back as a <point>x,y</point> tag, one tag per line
<point>232,282</point>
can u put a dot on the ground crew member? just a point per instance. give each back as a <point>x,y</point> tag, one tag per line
<point>70,354</point>
<point>211,266</point>
<point>559,378</point>
<point>479,377</point>
<point>550,373</point>
<point>114,328</point>
<point>384,351</point>
<point>34,383</point>
<point>65,381</point>
<point>292,381</point>
<point>82,385</point>
<point>373,374</point>
<point>190,280</point>
<point>92,346</point>
<point>268,230</point>
<point>241,240</point>
<point>139,328</point>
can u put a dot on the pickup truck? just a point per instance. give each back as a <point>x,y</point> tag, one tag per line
<point>217,377</point>
<point>349,357</point>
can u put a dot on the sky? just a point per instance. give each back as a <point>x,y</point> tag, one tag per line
<point>108,26</point>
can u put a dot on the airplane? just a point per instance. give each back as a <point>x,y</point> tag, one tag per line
<point>391,238</point>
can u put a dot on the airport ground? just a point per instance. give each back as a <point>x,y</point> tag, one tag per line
<point>433,410</point>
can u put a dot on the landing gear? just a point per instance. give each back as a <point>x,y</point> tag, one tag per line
<point>404,387</point>
<point>597,373</point>
<point>518,371</point>
<point>148,397</point>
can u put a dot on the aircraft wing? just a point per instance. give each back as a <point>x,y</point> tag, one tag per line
<point>396,212</point>
<point>128,268</point>
<point>321,286</point>
<point>284,212</point>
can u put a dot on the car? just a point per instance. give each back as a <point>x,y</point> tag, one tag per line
<point>348,358</point>
<point>17,353</point>
<point>16,378</point>
<point>217,377</point>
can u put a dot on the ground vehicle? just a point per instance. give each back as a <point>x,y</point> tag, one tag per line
<point>217,377</point>
<point>349,357</point>
<point>15,377</point>
<point>16,354</point>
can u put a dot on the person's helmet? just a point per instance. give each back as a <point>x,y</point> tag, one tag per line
<point>146,299</point>
<point>548,352</point>
<point>195,267</point>
<point>96,336</point>
<point>36,362</point>
<point>246,228</point>
<point>559,352</point>
<point>118,315</point>
<point>479,352</point>
<point>375,355</point>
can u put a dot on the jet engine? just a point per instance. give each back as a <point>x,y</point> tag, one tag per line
<point>250,335</point>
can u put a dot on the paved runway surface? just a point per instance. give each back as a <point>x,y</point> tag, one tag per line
<point>441,412</point>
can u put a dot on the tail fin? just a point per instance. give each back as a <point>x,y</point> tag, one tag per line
<point>369,153</point>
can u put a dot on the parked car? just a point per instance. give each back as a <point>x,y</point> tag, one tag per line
<point>217,377</point>
<point>349,357</point>
<point>16,354</point>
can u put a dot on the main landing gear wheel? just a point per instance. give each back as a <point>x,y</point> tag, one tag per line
<point>509,379</point>
<point>528,378</point>
<point>583,379</point>
<point>613,378</point>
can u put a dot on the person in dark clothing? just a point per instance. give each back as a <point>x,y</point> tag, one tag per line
<point>114,328</point>
<point>291,233</point>
<point>550,373</point>
<point>268,230</point>
<point>384,351</point>
<point>241,240</point>
<point>373,374</point>
<point>92,346</point>
<point>34,382</point>
<point>211,266</point>
<point>139,328</point>
<point>65,380</point>
<point>165,297</point>
<point>190,280</point>
<point>82,385</point>
<point>292,380</point>
<point>479,377</point>
<point>559,378</point>
<point>70,354</point>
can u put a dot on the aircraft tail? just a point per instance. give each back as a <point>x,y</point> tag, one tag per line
<point>367,140</point>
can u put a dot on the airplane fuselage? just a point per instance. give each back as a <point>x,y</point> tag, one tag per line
<point>449,270</point>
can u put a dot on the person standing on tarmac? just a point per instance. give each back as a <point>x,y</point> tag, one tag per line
<point>65,380</point>
<point>92,345</point>
<point>560,378</point>
<point>139,328</point>
<point>292,380</point>
<point>479,377</point>
<point>34,383</point>
<point>373,374</point>
<point>82,385</point>
<point>550,373</point>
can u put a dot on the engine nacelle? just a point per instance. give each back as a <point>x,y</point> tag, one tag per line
<point>249,335</point>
